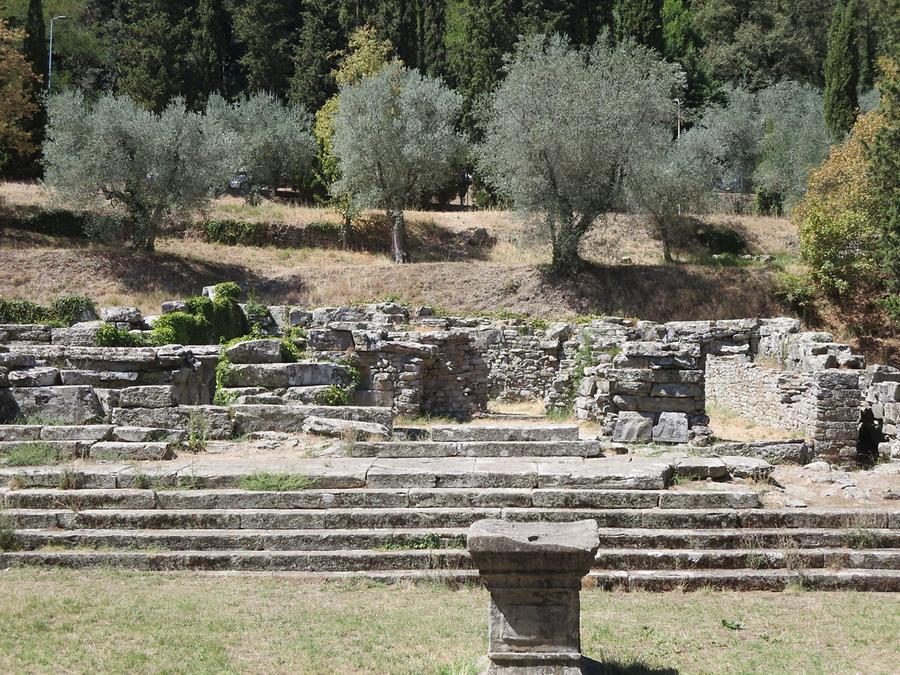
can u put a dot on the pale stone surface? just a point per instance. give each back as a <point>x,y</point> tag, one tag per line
<point>324,426</point>
<point>671,428</point>
<point>533,572</point>
<point>64,404</point>
<point>151,396</point>
<point>633,427</point>
<point>86,432</point>
<point>34,377</point>
<point>255,351</point>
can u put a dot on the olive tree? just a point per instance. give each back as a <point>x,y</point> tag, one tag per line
<point>669,177</point>
<point>395,139</point>
<point>274,139</point>
<point>736,126</point>
<point>794,138</point>
<point>146,168</point>
<point>562,129</point>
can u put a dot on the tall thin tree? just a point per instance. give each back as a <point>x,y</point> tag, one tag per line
<point>842,70</point>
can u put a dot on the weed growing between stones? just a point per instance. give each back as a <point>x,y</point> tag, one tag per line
<point>190,482</point>
<point>16,483</point>
<point>62,312</point>
<point>263,481</point>
<point>33,454</point>
<point>432,540</point>
<point>197,432</point>
<point>334,396</point>
<point>861,538</point>
<point>9,541</point>
<point>68,480</point>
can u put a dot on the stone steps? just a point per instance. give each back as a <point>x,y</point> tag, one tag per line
<point>607,561</point>
<point>413,449</point>
<point>617,473</point>
<point>857,522</point>
<point>494,432</point>
<point>99,498</point>
<point>431,565</point>
<point>202,535</point>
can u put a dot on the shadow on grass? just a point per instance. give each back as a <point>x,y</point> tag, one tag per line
<point>666,292</point>
<point>591,667</point>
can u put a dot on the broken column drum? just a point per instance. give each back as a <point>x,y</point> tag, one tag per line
<point>533,572</point>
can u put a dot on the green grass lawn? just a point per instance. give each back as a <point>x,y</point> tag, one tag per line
<point>126,622</point>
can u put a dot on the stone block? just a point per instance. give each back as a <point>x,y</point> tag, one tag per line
<point>112,379</point>
<point>17,360</point>
<point>149,396</point>
<point>34,377</point>
<point>255,351</point>
<point>533,572</point>
<point>700,468</point>
<point>323,426</point>
<point>147,435</point>
<point>130,315</point>
<point>283,375</point>
<point>633,427</point>
<point>63,404</point>
<point>676,390</point>
<point>84,432</point>
<point>20,432</point>
<point>215,420</point>
<point>79,334</point>
<point>113,451</point>
<point>671,427</point>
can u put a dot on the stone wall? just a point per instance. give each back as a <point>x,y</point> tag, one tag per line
<point>767,395</point>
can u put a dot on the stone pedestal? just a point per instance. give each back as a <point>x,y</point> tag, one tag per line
<point>533,572</point>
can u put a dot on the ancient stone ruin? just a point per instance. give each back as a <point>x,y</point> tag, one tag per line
<point>533,572</point>
<point>358,441</point>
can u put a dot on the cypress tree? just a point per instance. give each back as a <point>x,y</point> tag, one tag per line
<point>432,24</point>
<point>884,171</point>
<point>842,70</point>
<point>315,57</point>
<point>640,20</point>
<point>210,49</point>
<point>35,50</point>
<point>397,21</point>
<point>267,31</point>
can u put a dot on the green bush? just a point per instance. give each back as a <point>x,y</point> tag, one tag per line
<point>334,396</point>
<point>891,305</point>
<point>110,336</point>
<point>23,311</point>
<point>796,291</point>
<point>63,311</point>
<point>73,308</point>
<point>230,232</point>
<point>180,328</point>
<point>720,239</point>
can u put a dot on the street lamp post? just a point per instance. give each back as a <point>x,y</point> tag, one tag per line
<point>50,60</point>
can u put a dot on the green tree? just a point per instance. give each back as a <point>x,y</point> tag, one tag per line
<point>431,27</point>
<point>209,57</point>
<point>266,30</point>
<point>157,39</point>
<point>884,172</point>
<point>142,170</point>
<point>34,46</point>
<point>684,45</point>
<point>842,70</point>
<point>670,177</point>
<point>562,129</point>
<point>640,20</point>
<point>17,104</point>
<point>273,138</point>
<point>318,47</point>
<point>366,55</point>
<point>395,138</point>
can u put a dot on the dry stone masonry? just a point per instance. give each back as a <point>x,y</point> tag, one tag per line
<point>642,382</point>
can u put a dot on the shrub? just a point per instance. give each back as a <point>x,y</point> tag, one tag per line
<point>73,308</point>
<point>22,311</point>
<point>891,305</point>
<point>721,239</point>
<point>838,226</point>
<point>180,328</point>
<point>334,396</point>
<point>110,336</point>
<point>230,232</point>
<point>32,454</point>
<point>796,291</point>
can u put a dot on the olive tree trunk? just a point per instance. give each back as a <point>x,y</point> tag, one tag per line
<point>398,236</point>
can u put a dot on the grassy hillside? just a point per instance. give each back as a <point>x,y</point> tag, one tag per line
<point>448,273</point>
